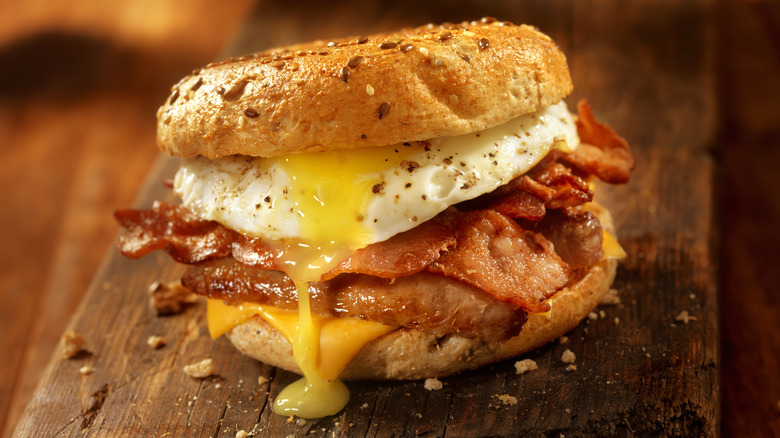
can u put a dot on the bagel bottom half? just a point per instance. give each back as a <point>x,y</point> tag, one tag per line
<point>406,354</point>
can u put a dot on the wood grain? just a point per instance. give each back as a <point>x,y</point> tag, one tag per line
<point>651,75</point>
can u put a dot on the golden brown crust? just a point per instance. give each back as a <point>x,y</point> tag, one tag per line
<point>412,354</point>
<point>431,82</point>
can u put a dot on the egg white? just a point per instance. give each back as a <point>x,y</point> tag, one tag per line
<point>397,187</point>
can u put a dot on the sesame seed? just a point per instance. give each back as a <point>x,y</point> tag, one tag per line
<point>406,47</point>
<point>387,45</point>
<point>454,99</point>
<point>469,33</point>
<point>174,96</point>
<point>369,90</point>
<point>383,109</point>
<point>333,44</point>
<point>236,90</point>
<point>298,81</point>
<point>436,62</point>
<point>344,74</point>
<point>241,122</point>
<point>220,90</point>
<point>288,56</point>
<point>445,36</point>
<point>251,113</point>
<point>278,64</point>
<point>354,61</point>
<point>465,57</point>
<point>362,40</point>
<point>293,66</point>
<point>424,51</point>
<point>488,20</point>
<point>483,43</point>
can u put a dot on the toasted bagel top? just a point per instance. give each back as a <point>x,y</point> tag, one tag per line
<point>414,84</point>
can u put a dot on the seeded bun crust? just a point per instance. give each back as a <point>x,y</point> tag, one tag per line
<point>382,89</point>
<point>406,354</point>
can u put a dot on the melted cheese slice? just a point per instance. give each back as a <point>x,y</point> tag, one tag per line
<point>612,249</point>
<point>341,338</point>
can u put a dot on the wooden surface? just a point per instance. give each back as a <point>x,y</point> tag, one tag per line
<point>690,84</point>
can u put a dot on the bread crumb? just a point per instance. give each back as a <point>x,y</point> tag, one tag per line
<point>593,316</point>
<point>692,296</point>
<point>72,343</point>
<point>611,298</point>
<point>169,298</point>
<point>563,340</point>
<point>155,342</point>
<point>507,399</point>
<point>262,380</point>
<point>617,320</point>
<point>200,370</point>
<point>525,365</point>
<point>86,370</point>
<point>432,384</point>
<point>602,314</point>
<point>571,367</point>
<point>684,317</point>
<point>568,356</point>
<point>241,434</point>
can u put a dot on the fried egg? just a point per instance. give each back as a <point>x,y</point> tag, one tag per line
<point>354,197</point>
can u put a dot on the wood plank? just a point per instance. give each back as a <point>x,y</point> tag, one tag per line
<point>644,373</point>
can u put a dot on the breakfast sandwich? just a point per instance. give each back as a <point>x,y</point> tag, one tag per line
<point>404,205</point>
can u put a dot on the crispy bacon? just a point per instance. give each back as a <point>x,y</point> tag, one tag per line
<point>494,254</point>
<point>601,152</point>
<point>437,304</point>
<point>401,255</point>
<point>175,230</point>
<point>549,185</point>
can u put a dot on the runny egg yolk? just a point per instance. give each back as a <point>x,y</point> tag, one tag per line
<point>328,187</point>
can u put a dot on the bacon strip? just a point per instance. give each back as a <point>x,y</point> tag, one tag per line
<point>175,230</point>
<point>549,185</point>
<point>601,152</point>
<point>496,255</point>
<point>403,254</point>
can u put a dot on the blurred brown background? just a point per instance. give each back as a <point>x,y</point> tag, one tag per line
<point>79,85</point>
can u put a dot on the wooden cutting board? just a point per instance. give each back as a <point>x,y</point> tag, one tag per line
<point>647,69</point>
